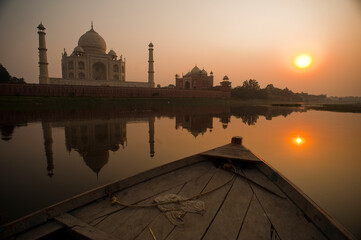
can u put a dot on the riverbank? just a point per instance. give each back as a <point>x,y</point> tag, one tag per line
<point>338,107</point>
<point>27,102</point>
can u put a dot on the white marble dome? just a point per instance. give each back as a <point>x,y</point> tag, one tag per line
<point>92,42</point>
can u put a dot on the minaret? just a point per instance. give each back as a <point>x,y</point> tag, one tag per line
<point>43,60</point>
<point>151,136</point>
<point>48,145</point>
<point>151,66</point>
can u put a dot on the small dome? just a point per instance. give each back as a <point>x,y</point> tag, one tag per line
<point>225,78</point>
<point>204,71</point>
<point>195,70</point>
<point>78,49</point>
<point>150,44</point>
<point>92,42</point>
<point>112,53</point>
<point>41,26</point>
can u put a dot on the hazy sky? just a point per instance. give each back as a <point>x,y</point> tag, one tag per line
<point>240,38</point>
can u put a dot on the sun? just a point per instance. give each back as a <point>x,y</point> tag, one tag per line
<point>303,60</point>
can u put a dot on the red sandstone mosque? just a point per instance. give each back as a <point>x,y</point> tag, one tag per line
<point>195,79</point>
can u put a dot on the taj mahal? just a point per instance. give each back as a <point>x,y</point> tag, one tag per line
<point>89,64</point>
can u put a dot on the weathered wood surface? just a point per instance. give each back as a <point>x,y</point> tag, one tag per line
<point>195,225</point>
<point>331,228</point>
<point>232,212</point>
<point>93,212</point>
<point>160,225</point>
<point>83,228</point>
<point>256,224</point>
<point>232,151</point>
<point>288,220</point>
<point>40,231</point>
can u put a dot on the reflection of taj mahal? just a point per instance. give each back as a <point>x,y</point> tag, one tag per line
<point>95,139</point>
<point>92,139</point>
<point>89,64</point>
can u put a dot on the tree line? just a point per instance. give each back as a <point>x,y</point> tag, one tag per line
<point>250,89</point>
<point>5,77</point>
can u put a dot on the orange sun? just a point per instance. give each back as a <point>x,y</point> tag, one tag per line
<point>303,60</point>
<point>298,141</point>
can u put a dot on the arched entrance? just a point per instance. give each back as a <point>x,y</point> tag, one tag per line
<point>99,71</point>
<point>187,85</point>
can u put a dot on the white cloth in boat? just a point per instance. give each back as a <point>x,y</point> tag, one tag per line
<point>175,207</point>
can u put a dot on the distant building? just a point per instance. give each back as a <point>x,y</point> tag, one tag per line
<point>89,64</point>
<point>195,79</point>
<point>225,85</point>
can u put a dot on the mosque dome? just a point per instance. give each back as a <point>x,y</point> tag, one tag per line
<point>204,72</point>
<point>92,42</point>
<point>195,70</point>
<point>225,78</point>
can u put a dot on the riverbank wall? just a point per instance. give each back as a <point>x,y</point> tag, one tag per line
<point>46,90</point>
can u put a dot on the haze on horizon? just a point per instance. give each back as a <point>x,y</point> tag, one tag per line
<point>243,39</point>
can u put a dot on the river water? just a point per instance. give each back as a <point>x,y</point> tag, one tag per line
<point>50,155</point>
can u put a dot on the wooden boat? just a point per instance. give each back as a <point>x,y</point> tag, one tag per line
<point>244,199</point>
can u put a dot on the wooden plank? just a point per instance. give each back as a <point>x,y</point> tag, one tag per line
<point>40,231</point>
<point>92,213</point>
<point>331,228</point>
<point>232,151</point>
<point>48,213</point>
<point>161,226</point>
<point>288,220</point>
<point>196,225</point>
<point>256,224</point>
<point>232,212</point>
<point>130,222</point>
<point>82,228</point>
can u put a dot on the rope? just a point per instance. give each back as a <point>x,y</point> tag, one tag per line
<point>150,230</point>
<point>116,201</point>
<point>227,166</point>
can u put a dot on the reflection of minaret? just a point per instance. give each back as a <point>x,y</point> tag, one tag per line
<point>151,135</point>
<point>43,61</point>
<point>48,144</point>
